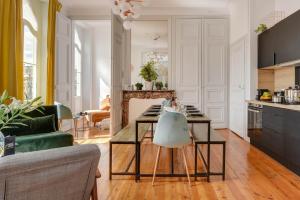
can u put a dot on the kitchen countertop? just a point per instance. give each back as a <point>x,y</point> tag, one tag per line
<point>277,105</point>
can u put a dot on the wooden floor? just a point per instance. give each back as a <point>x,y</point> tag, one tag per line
<point>250,174</point>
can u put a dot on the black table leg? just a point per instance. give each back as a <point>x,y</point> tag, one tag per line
<point>224,154</point>
<point>110,160</point>
<point>196,164</point>
<point>172,161</point>
<point>151,132</point>
<point>137,153</point>
<point>208,153</point>
<point>139,161</point>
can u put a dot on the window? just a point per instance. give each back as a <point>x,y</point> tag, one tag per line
<point>30,52</point>
<point>77,65</point>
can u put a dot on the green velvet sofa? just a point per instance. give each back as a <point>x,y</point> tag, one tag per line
<point>41,132</point>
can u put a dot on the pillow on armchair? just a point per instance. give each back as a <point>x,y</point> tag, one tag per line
<point>45,124</point>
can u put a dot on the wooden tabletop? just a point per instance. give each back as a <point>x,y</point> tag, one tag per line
<point>190,119</point>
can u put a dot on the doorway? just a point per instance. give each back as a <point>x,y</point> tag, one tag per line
<point>91,74</point>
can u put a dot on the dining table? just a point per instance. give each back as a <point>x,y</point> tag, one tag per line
<point>148,118</point>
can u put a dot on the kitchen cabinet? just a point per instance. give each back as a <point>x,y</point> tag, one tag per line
<point>281,43</point>
<point>287,34</point>
<point>292,140</point>
<point>266,49</point>
<point>280,136</point>
<point>273,133</point>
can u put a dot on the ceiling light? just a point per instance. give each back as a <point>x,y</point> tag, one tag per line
<point>128,10</point>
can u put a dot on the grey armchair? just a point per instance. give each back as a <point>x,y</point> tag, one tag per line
<point>66,173</point>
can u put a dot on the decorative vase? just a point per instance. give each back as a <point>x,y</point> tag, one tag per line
<point>148,85</point>
<point>2,144</point>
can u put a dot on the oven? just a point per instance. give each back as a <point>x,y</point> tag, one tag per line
<point>255,113</point>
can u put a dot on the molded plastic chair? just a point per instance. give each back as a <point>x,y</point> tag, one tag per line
<point>65,113</point>
<point>172,132</point>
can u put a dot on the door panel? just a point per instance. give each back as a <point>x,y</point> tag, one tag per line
<point>215,48</point>
<point>63,60</point>
<point>63,70</point>
<point>237,90</point>
<point>188,61</point>
<point>118,62</point>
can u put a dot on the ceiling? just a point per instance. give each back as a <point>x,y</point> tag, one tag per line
<point>102,4</point>
<point>144,32</point>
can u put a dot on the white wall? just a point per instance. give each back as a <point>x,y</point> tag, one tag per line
<point>245,16</point>
<point>288,6</point>
<point>258,11</point>
<point>136,62</point>
<point>101,62</point>
<point>239,19</point>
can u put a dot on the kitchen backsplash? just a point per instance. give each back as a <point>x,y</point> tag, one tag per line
<point>276,79</point>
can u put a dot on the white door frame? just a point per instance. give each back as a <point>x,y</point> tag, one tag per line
<point>241,41</point>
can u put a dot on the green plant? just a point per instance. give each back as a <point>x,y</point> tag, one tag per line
<point>148,72</point>
<point>261,28</point>
<point>159,85</point>
<point>139,86</point>
<point>166,85</point>
<point>12,109</point>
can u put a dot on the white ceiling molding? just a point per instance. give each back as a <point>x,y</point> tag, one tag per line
<point>75,8</point>
<point>96,13</point>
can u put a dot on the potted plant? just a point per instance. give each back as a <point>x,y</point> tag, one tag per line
<point>139,86</point>
<point>261,28</point>
<point>12,109</point>
<point>159,85</point>
<point>166,85</point>
<point>149,74</point>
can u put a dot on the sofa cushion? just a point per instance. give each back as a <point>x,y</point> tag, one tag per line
<point>18,130</point>
<point>43,141</point>
<point>44,124</point>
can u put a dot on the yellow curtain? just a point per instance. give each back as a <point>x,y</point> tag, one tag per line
<point>11,47</point>
<point>54,7</point>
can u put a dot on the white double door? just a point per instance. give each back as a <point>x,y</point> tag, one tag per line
<point>200,75</point>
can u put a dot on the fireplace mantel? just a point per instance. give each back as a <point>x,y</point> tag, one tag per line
<point>142,94</point>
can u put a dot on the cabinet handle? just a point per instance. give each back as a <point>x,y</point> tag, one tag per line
<point>274,59</point>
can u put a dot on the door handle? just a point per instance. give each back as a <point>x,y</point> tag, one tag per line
<point>252,110</point>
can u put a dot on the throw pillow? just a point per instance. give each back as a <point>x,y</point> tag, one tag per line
<point>44,124</point>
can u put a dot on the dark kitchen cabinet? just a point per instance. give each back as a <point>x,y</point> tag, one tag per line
<point>292,140</point>
<point>281,43</point>
<point>280,136</point>
<point>287,33</point>
<point>272,139</point>
<point>266,49</point>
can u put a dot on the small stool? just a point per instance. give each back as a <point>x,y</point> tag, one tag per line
<point>82,115</point>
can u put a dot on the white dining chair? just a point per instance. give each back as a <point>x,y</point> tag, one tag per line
<point>172,132</point>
